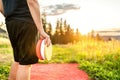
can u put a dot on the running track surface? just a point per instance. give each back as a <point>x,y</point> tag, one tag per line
<point>57,72</point>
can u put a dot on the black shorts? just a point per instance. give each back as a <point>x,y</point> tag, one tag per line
<point>23,37</point>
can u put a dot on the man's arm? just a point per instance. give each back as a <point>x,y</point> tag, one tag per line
<point>35,12</point>
<point>1,7</point>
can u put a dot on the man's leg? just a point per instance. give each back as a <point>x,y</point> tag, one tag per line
<point>13,71</point>
<point>23,72</point>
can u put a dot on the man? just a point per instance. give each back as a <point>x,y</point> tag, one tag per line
<point>23,20</point>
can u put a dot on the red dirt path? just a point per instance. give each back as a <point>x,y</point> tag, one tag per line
<point>57,72</point>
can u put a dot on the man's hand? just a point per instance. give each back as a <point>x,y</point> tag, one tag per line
<point>46,37</point>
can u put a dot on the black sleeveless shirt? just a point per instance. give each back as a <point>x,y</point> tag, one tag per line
<point>17,10</point>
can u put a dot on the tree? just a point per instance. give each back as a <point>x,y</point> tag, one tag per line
<point>69,34</point>
<point>57,33</point>
<point>44,22</point>
<point>98,36</point>
<point>92,34</point>
<point>49,29</point>
<point>77,35</point>
<point>65,26</point>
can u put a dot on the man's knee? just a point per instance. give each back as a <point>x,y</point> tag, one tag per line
<point>25,66</point>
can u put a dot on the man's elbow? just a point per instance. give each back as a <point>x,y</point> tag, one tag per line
<point>32,2</point>
<point>1,11</point>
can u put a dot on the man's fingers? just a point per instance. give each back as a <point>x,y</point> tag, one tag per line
<point>46,37</point>
<point>47,41</point>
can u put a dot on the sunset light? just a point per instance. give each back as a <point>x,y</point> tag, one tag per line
<point>92,15</point>
<point>60,39</point>
<point>86,15</point>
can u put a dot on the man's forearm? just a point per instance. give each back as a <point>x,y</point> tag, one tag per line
<point>35,12</point>
<point>1,7</point>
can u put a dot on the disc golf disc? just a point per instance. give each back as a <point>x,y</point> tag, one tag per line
<point>43,51</point>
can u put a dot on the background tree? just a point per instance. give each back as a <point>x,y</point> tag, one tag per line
<point>49,29</point>
<point>92,34</point>
<point>57,33</point>
<point>98,37</point>
<point>44,22</point>
<point>63,32</point>
<point>77,35</point>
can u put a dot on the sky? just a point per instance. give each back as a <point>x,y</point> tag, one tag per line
<point>83,14</point>
<point>93,14</point>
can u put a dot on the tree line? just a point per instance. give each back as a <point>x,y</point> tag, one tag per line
<point>63,33</point>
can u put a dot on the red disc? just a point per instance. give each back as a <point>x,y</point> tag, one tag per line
<point>43,51</point>
<point>38,49</point>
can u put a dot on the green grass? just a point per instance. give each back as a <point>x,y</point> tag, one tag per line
<point>5,51</point>
<point>4,71</point>
<point>100,59</point>
<point>5,58</point>
<point>5,46</point>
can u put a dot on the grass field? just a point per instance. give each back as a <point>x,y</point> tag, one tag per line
<point>5,58</point>
<point>100,59</point>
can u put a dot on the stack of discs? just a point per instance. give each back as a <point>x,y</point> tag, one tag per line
<point>43,51</point>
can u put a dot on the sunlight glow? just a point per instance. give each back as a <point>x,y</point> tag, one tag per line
<point>93,15</point>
